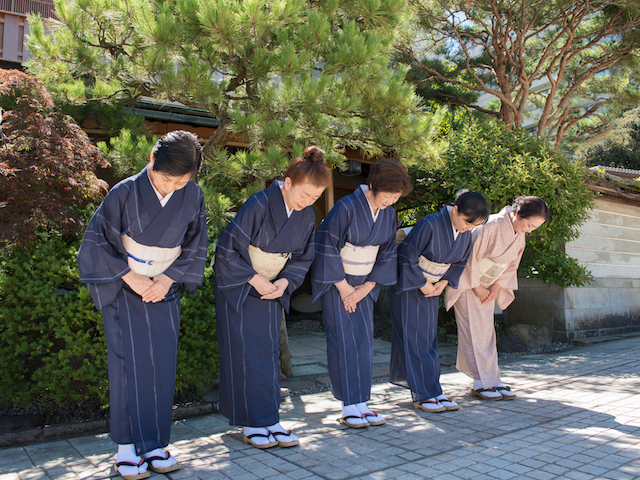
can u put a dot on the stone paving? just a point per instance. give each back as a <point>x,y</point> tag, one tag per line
<point>577,417</point>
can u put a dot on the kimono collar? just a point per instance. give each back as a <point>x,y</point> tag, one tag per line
<point>453,229</point>
<point>277,206</point>
<point>506,212</point>
<point>281,185</point>
<point>364,189</point>
<point>446,219</point>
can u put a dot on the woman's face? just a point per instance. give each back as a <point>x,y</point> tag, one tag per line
<point>165,184</point>
<point>301,195</point>
<point>384,199</point>
<point>526,225</point>
<point>461,223</point>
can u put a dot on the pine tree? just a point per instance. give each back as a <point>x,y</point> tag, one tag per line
<point>278,75</point>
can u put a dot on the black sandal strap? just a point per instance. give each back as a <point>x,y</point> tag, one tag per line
<point>157,457</point>
<point>131,464</point>
<point>353,416</point>
<point>259,435</point>
<point>502,388</point>
<point>285,434</point>
<point>373,414</point>
<point>480,390</point>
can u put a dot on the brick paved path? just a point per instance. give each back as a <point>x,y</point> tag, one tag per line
<point>577,416</point>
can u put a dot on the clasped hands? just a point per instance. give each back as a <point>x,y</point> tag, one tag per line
<point>433,289</point>
<point>267,289</point>
<point>151,290</point>
<point>351,295</point>
<point>485,295</point>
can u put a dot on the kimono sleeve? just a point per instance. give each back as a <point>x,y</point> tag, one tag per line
<point>233,268</point>
<point>329,240</point>
<point>101,259</point>
<point>188,268</point>
<point>409,273</point>
<point>385,270</point>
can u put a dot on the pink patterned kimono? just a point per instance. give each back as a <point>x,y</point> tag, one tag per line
<point>477,353</point>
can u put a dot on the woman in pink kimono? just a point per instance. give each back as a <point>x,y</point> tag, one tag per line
<point>490,278</point>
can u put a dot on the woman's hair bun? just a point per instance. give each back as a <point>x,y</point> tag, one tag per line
<point>314,154</point>
<point>460,191</point>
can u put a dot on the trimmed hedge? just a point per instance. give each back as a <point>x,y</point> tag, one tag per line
<point>52,343</point>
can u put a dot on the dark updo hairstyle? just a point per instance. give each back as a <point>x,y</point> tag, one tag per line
<point>310,168</point>
<point>472,206</point>
<point>389,175</point>
<point>530,207</point>
<point>177,153</point>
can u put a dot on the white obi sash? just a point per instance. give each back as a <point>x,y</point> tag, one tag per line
<point>490,271</point>
<point>149,261</point>
<point>358,261</point>
<point>432,271</point>
<point>268,265</point>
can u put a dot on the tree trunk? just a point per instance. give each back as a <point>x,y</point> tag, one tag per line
<point>285,354</point>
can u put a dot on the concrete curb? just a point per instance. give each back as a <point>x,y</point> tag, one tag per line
<point>65,430</point>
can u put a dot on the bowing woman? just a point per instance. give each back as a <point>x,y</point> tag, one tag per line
<point>490,278</point>
<point>146,238</point>
<point>432,256</point>
<point>261,257</point>
<point>355,254</point>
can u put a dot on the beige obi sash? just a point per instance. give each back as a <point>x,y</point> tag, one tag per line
<point>432,271</point>
<point>490,271</point>
<point>358,261</point>
<point>268,265</point>
<point>149,261</point>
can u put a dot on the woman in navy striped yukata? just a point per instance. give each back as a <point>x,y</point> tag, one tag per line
<point>432,256</point>
<point>261,258</point>
<point>355,254</point>
<point>146,238</point>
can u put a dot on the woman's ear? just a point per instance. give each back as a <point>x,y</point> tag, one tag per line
<point>287,183</point>
<point>151,159</point>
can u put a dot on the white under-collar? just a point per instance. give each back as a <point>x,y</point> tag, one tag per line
<point>374,215</point>
<point>280,184</point>
<point>455,232</point>
<point>163,200</point>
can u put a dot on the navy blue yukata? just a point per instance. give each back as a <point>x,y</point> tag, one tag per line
<point>248,327</point>
<point>414,344</point>
<point>350,335</point>
<point>142,338</point>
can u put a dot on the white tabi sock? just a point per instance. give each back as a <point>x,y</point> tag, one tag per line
<point>158,452</point>
<point>362,408</point>
<point>277,428</point>
<point>477,385</point>
<point>127,453</point>
<point>505,393</point>
<point>445,401</point>
<point>259,440</point>
<point>352,410</point>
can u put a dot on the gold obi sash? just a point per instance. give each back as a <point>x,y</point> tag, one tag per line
<point>268,265</point>
<point>490,271</point>
<point>358,261</point>
<point>432,271</point>
<point>149,261</point>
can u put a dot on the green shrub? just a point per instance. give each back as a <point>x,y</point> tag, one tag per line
<point>502,164</point>
<point>52,343</point>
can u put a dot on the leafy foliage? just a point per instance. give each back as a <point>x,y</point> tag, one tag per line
<point>501,164</point>
<point>52,343</point>
<point>278,75</point>
<point>617,147</point>
<point>559,62</point>
<point>47,162</point>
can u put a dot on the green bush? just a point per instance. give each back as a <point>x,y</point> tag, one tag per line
<point>502,164</point>
<point>52,343</point>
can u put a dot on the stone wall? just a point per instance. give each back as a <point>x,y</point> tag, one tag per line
<point>609,246</point>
